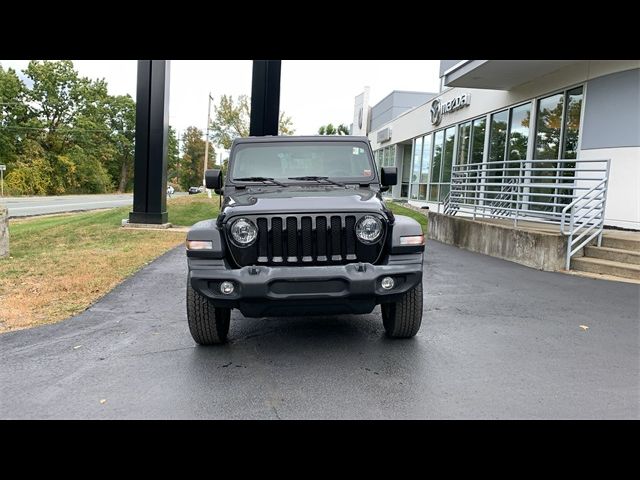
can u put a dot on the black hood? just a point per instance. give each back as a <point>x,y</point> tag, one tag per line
<point>262,200</point>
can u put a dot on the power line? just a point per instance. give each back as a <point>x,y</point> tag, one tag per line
<point>77,129</point>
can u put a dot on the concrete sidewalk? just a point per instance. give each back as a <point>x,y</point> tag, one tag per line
<point>499,340</point>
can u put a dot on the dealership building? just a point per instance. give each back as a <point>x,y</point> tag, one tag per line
<point>520,116</point>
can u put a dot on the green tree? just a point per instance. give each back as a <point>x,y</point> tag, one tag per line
<point>191,167</point>
<point>173,156</point>
<point>65,133</point>
<point>13,111</point>
<point>121,122</point>
<point>329,129</point>
<point>232,120</point>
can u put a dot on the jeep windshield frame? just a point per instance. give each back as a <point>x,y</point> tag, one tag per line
<point>339,161</point>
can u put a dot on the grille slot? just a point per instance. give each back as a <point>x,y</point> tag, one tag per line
<point>350,236</point>
<point>276,240</point>
<point>336,231</point>
<point>292,239</point>
<point>321,239</point>
<point>263,240</point>
<point>306,240</point>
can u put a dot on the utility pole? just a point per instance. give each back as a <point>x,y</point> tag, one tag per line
<point>206,147</point>
<point>2,169</point>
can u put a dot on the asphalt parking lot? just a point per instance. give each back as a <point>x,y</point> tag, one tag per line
<point>498,340</point>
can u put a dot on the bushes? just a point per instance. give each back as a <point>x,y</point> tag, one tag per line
<point>30,179</point>
<point>36,173</point>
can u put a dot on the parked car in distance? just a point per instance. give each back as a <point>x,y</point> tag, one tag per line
<point>193,190</point>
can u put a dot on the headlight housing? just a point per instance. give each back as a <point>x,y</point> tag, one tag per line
<point>369,229</point>
<point>243,232</point>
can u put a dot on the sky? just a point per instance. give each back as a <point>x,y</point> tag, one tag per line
<point>312,92</point>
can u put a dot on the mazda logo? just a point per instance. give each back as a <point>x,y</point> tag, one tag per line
<point>436,112</point>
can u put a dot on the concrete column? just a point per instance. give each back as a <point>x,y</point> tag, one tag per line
<point>265,98</point>
<point>152,125</point>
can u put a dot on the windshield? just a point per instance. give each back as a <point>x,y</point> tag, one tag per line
<point>282,160</point>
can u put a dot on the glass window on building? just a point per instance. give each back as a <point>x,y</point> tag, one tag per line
<point>449,145</point>
<point>477,140</point>
<point>415,170</point>
<point>497,149</point>
<point>385,157</point>
<point>519,132</point>
<point>406,171</point>
<point>435,165</point>
<point>572,123</point>
<point>478,131</point>
<point>424,171</point>
<point>463,157</point>
<point>464,140</point>
<point>547,147</point>
<point>557,133</point>
<point>516,149</point>
<point>548,127</point>
<point>571,130</point>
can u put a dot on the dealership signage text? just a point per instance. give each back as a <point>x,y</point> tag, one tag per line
<point>438,108</point>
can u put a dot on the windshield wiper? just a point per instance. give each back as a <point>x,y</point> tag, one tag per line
<point>317,179</point>
<point>259,179</point>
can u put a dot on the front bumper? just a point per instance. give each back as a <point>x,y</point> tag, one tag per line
<point>262,290</point>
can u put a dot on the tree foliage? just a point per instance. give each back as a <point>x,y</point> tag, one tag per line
<point>329,129</point>
<point>190,167</point>
<point>64,133</point>
<point>232,120</point>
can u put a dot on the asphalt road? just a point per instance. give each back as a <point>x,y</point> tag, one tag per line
<point>499,340</point>
<point>27,206</point>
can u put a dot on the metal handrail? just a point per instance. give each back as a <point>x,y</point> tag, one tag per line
<point>583,221</point>
<point>571,194</point>
<point>575,202</point>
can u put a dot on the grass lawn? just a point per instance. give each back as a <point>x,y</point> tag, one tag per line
<point>61,264</point>
<point>421,218</point>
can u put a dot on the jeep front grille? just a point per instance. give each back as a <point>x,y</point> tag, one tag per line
<point>306,240</point>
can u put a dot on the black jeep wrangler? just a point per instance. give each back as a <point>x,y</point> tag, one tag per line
<point>303,230</point>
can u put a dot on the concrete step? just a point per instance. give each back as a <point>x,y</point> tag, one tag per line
<point>621,242</point>
<point>606,267</point>
<point>613,254</point>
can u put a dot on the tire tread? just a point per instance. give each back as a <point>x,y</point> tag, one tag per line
<point>208,325</point>
<point>403,318</point>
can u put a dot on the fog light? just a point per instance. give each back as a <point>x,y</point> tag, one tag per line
<point>227,288</point>
<point>388,283</point>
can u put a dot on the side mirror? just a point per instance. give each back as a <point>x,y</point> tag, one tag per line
<point>213,179</point>
<point>388,176</point>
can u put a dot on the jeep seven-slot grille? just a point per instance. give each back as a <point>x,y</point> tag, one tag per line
<point>305,240</point>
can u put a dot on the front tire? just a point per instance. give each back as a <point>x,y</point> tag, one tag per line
<point>402,319</point>
<point>208,325</point>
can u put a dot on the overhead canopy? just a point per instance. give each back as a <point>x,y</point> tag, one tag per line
<point>500,74</point>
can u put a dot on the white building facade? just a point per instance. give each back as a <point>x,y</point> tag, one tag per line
<point>504,110</point>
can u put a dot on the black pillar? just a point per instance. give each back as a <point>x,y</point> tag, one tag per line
<point>265,98</point>
<point>152,125</point>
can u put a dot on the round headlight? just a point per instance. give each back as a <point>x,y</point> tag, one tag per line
<point>243,232</point>
<point>369,229</point>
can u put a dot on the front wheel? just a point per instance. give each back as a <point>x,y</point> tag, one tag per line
<point>402,319</point>
<point>208,325</point>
